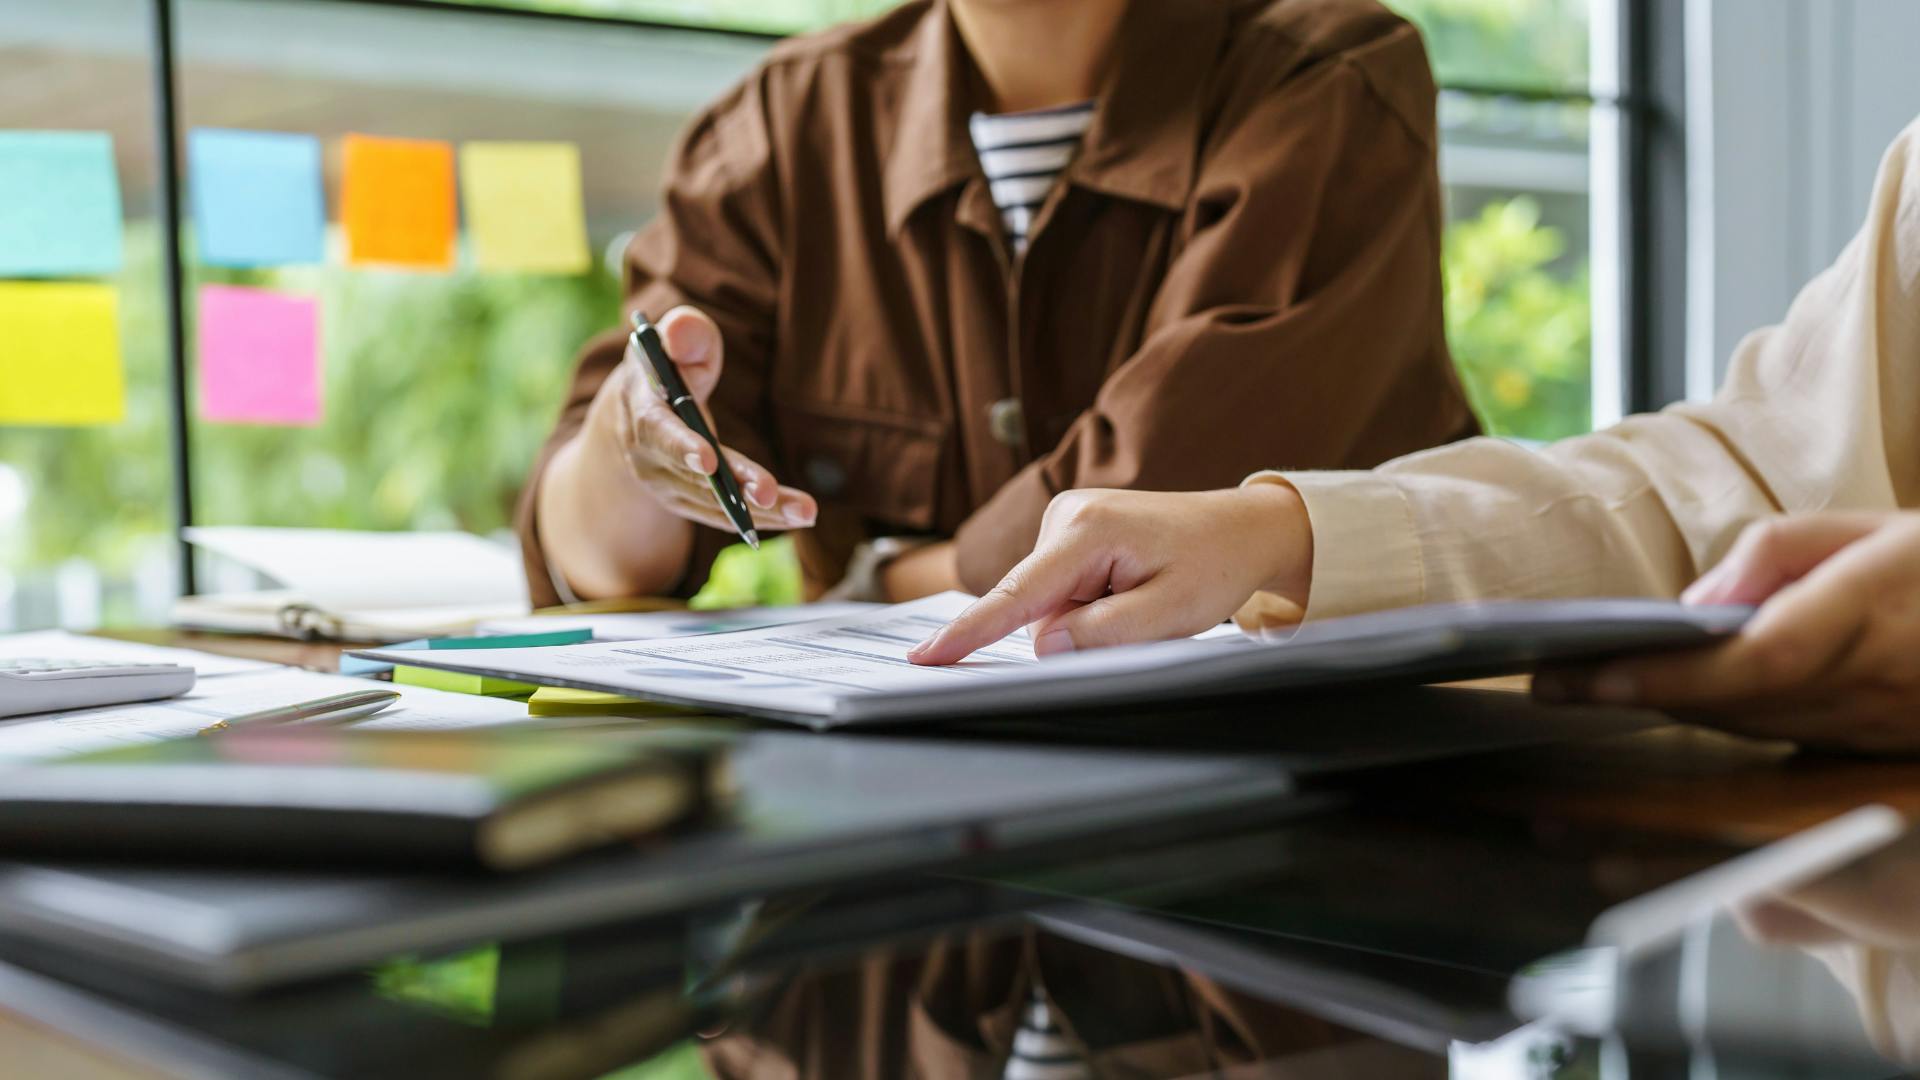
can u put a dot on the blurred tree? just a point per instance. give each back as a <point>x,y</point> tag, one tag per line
<point>1521,336</point>
<point>1539,44</point>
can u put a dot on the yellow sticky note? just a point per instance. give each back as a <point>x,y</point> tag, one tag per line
<point>60,354</point>
<point>523,206</point>
<point>562,701</point>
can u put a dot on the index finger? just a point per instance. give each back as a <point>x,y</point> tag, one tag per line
<point>1045,582</point>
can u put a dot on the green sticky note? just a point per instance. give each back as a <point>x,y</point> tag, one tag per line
<point>59,204</point>
<point>513,641</point>
<point>353,665</point>
<point>460,682</point>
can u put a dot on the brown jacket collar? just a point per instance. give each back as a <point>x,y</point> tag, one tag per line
<point>1145,134</point>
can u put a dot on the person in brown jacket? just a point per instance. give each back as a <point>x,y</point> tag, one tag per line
<point>928,271</point>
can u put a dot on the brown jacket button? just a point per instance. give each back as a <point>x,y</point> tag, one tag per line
<point>1007,420</point>
<point>825,476</point>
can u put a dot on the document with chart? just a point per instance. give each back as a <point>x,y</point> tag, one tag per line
<point>854,669</point>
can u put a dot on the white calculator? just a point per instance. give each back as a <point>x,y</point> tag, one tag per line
<point>33,684</point>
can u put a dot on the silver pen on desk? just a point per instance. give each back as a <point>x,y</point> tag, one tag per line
<point>338,709</point>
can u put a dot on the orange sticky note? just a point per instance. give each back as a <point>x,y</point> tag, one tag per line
<point>60,354</point>
<point>397,202</point>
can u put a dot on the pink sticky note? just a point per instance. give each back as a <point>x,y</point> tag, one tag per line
<point>259,357</point>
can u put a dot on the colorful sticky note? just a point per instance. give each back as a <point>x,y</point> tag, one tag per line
<point>259,357</point>
<point>256,197</point>
<point>397,202</point>
<point>60,354</point>
<point>59,204</point>
<point>559,701</point>
<point>354,665</point>
<point>460,682</point>
<point>523,205</point>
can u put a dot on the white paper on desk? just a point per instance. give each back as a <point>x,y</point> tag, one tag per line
<point>816,672</point>
<point>340,571</point>
<point>854,669</point>
<point>37,738</point>
<point>60,645</point>
<point>650,625</point>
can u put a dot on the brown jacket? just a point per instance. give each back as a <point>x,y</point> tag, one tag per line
<point>948,1010</point>
<point>1238,270</point>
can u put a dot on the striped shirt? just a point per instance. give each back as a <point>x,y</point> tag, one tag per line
<point>1040,1050</point>
<point>1023,154</point>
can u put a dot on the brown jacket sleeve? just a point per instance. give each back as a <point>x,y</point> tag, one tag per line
<point>950,1008</point>
<point>1300,322</point>
<point>714,246</point>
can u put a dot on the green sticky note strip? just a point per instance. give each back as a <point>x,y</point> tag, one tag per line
<point>59,204</point>
<point>512,641</point>
<point>460,682</point>
<point>354,665</point>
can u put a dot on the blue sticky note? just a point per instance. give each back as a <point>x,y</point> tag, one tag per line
<point>256,197</point>
<point>59,204</point>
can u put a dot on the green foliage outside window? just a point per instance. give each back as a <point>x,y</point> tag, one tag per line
<point>1520,333</point>
<point>1536,44</point>
<point>757,16</point>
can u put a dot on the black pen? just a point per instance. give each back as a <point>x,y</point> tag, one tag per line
<point>646,341</point>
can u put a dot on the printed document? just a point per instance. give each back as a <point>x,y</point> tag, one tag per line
<point>811,671</point>
<point>854,668</point>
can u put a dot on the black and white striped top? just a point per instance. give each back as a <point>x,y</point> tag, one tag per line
<point>1040,1051</point>
<point>1023,154</point>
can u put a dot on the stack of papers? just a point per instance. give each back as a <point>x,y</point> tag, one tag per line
<point>853,669</point>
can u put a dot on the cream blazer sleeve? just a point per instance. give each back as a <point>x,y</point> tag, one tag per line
<point>1819,412</point>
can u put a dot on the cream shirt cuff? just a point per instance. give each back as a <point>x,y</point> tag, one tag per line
<point>1366,550</point>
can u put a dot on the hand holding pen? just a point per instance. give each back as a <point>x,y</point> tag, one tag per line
<point>670,370</point>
